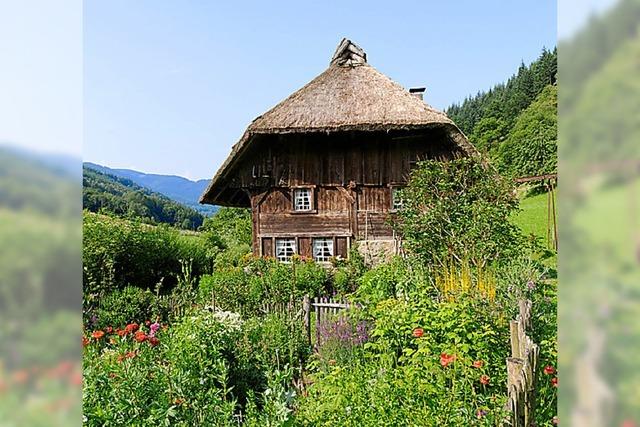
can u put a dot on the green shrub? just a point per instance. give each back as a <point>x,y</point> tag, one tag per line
<point>257,282</point>
<point>117,253</point>
<point>458,210</point>
<point>395,278</point>
<point>123,306</point>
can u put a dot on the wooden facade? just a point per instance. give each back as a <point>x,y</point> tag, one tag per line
<point>351,177</point>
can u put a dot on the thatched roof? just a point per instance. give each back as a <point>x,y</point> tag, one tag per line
<point>350,95</point>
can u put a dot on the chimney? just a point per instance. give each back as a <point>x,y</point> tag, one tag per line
<point>418,92</point>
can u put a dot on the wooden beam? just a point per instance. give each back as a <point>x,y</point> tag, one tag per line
<point>537,178</point>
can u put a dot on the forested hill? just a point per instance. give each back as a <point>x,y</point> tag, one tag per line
<point>177,188</point>
<point>492,118</point>
<point>123,198</point>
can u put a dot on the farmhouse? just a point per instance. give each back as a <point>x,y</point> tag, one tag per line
<point>321,169</point>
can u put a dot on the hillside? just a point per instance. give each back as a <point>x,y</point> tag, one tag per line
<point>177,188</point>
<point>514,113</point>
<point>123,198</point>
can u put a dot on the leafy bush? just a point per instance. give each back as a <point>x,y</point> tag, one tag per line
<point>117,253</point>
<point>458,210</point>
<point>395,278</point>
<point>257,282</point>
<point>232,225</point>
<point>123,306</point>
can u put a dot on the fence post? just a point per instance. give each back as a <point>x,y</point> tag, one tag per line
<point>515,338</point>
<point>521,369</point>
<point>306,309</point>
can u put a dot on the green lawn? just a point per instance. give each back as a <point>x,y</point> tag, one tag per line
<point>532,218</point>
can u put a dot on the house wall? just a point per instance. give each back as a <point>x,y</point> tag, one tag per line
<point>351,176</point>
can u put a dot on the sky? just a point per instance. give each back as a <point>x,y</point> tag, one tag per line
<point>41,75</point>
<point>168,87</point>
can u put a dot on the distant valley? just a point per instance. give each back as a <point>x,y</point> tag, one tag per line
<point>177,188</point>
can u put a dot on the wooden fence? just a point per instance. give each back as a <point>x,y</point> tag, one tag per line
<point>522,367</point>
<point>324,308</point>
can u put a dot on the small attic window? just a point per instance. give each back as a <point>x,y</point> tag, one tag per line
<point>302,199</point>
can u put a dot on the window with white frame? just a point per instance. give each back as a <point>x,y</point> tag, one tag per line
<point>396,199</point>
<point>285,249</point>
<point>302,199</point>
<point>322,249</point>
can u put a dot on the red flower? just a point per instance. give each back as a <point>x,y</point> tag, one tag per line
<point>549,370</point>
<point>446,359</point>
<point>121,332</point>
<point>153,341</point>
<point>147,322</point>
<point>130,355</point>
<point>628,423</point>
<point>477,364</point>
<point>554,381</point>
<point>131,328</point>
<point>97,334</point>
<point>418,332</point>
<point>85,341</point>
<point>484,379</point>
<point>140,336</point>
<point>109,329</point>
<point>120,358</point>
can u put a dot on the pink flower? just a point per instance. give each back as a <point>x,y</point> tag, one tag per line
<point>153,329</point>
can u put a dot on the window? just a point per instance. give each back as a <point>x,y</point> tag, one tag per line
<point>302,199</point>
<point>396,200</point>
<point>285,249</point>
<point>322,249</point>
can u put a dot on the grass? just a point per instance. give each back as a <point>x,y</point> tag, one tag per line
<point>532,218</point>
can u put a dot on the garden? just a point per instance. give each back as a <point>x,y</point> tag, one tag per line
<point>184,328</point>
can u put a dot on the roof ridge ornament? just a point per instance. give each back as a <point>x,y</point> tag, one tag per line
<point>348,54</point>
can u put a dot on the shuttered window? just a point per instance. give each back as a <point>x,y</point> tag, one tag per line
<point>322,249</point>
<point>285,249</point>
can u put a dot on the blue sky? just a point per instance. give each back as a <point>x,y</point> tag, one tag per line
<point>170,86</point>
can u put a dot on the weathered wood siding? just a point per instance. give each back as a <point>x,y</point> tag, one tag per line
<point>337,159</point>
<point>351,175</point>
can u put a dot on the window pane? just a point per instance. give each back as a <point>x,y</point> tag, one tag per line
<point>396,200</point>
<point>302,199</point>
<point>322,249</point>
<point>285,249</point>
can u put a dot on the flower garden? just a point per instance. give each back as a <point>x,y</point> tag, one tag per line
<point>423,344</point>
